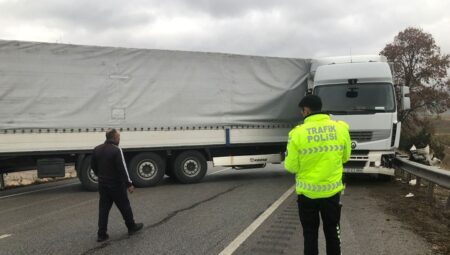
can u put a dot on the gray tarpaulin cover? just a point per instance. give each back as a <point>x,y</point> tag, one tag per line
<point>44,85</point>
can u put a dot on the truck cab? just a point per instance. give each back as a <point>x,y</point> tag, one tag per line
<point>360,91</point>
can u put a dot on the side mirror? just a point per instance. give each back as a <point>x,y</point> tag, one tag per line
<point>406,101</point>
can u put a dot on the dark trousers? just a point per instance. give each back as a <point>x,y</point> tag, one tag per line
<point>310,211</point>
<point>116,193</point>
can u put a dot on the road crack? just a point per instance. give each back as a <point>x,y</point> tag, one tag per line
<point>164,220</point>
<point>174,213</point>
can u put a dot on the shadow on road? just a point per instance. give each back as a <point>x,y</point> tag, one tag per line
<point>365,180</point>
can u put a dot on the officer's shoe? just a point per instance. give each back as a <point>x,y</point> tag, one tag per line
<point>135,228</point>
<point>102,238</point>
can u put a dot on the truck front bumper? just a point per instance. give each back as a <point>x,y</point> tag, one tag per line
<point>370,170</point>
<point>370,162</point>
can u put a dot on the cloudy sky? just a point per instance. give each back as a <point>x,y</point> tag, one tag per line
<point>286,28</point>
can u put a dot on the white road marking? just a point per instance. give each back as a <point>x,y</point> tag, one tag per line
<point>34,191</point>
<point>228,168</point>
<point>5,236</point>
<point>234,245</point>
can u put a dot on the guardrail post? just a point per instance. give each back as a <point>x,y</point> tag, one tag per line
<point>401,174</point>
<point>408,178</point>
<point>396,173</point>
<point>418,179</point>
<point>2,182</point>
<point>431,191</point>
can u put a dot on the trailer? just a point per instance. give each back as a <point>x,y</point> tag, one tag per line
<point>176,110</point>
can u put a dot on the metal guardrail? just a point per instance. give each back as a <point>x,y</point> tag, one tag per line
<point>433,175</point>
<point>430,173</point>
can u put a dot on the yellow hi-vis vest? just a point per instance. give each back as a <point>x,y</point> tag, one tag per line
<point>316,152</point>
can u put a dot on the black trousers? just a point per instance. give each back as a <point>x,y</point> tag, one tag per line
<point>310,211</point>
<point>109,194</point>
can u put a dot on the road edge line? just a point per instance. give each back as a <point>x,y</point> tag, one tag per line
<point>234,245</point>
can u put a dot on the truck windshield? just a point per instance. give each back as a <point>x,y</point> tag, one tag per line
<point>356,99</point>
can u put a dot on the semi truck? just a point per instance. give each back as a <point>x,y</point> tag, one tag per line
<point>177,110</point>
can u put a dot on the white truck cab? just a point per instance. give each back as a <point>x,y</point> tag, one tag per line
<point>360,91</point>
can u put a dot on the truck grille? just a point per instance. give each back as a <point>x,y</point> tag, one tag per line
<point>366,136</point>
<point>361,136</point>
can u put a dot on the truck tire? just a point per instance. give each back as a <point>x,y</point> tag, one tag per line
<point>189,167</point>
<point>147,169</point>
<point>87,177</point>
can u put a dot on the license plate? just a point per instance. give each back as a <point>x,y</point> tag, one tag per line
<point>353,170</point>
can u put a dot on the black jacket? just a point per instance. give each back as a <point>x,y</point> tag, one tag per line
<point>109,164</point>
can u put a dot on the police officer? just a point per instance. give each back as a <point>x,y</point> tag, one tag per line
<point>316,152</point>
<point>109,165</point>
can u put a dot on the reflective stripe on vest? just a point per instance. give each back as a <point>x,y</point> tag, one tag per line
<point>324,148</point>
<point>318,187</point>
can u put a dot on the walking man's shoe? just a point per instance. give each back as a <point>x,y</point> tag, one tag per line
<point>136,228</point>
<point>102,238</point>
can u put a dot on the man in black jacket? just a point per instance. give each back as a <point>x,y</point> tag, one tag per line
<point>109,165</point>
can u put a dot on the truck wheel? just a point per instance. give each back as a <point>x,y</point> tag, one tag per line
<point>147,169</point>
<point>189,167</point>
<point>87,176</point>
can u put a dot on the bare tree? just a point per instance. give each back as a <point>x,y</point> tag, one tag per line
<point>419,64</point>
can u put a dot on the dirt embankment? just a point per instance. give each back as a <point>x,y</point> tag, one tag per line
<point>430,220</point>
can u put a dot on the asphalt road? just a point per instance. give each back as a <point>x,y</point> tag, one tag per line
<point>203,218</point>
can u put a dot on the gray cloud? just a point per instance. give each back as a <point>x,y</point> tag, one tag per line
<point>288,28</point>
<point>90,15</point>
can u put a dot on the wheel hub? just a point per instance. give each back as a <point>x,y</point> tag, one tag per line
<point>191,167</point>
<point>146,169</point>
